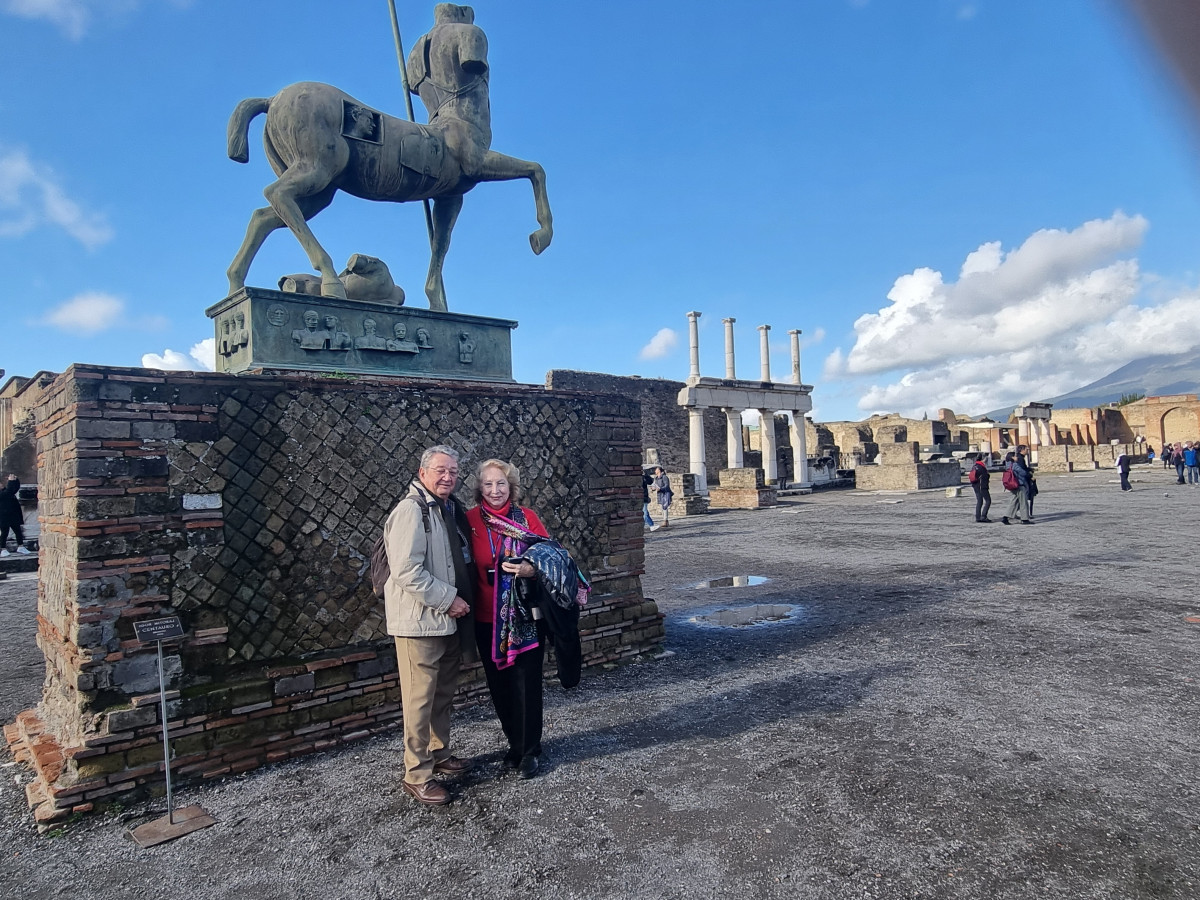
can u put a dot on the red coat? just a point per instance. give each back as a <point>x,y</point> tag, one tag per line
<point>485,545</point>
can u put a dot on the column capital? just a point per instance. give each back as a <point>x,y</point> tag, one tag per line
<point>728,321</point>
<point>795,331</point>
<point>694,315</point>
<point>764,327</point>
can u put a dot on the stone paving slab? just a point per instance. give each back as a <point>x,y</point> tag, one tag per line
<point>951,710</point>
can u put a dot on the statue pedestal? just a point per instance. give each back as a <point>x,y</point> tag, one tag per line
<point>259,329</point>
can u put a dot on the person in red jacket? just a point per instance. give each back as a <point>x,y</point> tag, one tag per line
<point>509,633</point>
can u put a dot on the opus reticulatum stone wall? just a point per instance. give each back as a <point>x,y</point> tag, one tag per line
<point>248,505</point>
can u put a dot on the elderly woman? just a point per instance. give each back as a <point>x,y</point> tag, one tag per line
<point>511,642</point>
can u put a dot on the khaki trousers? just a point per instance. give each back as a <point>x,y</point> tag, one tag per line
<point>428,681</point>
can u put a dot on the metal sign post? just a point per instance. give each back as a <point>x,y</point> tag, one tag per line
<point>190,818</point>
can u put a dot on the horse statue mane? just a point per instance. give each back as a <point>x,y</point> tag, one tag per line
<point>319,140</point>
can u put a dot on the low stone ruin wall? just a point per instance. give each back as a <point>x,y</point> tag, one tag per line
<point>908,476</point>
<point>1086,457</point>
<point>248,506</point>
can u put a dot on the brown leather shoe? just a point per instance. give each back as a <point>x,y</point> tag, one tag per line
<point>430,793</point>
<point>453,766</point>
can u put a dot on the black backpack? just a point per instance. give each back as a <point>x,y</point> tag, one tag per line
<point>381,569</point>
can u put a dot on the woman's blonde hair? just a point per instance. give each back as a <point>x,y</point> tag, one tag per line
<point>511,473</point>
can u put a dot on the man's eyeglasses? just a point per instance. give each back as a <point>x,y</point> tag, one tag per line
<point>441,471</point>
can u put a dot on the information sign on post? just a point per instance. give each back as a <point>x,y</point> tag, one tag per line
<point>175,823</point>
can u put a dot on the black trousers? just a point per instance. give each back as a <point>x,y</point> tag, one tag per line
<point>18,534</point>
<point>983,501</point>
<point>516,693</point>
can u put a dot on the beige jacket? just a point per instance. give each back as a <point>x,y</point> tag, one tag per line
<point>421,587</point>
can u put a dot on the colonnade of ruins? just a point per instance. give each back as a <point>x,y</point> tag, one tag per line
<point>733,396</point>
<point>1033,426</point>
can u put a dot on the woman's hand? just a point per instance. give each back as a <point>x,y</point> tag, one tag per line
<point>522,569</point>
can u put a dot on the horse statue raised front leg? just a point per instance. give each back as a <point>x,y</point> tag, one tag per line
<point>320,140</point>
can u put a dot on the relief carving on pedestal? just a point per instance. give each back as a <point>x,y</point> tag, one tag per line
<point>466,348</point>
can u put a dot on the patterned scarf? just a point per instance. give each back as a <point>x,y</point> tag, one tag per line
<point>514,630</point>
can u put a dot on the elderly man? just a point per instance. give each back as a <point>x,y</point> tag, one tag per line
<point>428,604</point>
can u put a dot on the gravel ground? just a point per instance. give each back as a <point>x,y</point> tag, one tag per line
<point>952,710</point>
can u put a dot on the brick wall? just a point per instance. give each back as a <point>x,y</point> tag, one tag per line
<point>248,507</point>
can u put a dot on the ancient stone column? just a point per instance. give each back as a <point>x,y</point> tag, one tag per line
<point>696,447</point>
<point>764,352</point>
<point>694,342</point>
<point>799,447</point>
<point>795,334</point>
<point>733,427</point>
<point>1023,430</point>
<point>730,371</point>
<point>770,461</point>
<point>1049,433</point>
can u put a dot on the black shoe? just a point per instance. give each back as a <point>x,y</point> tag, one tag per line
<point>986,519</point>
<point>1028,522</point>
<point>1004,519</point>
<point>528,767</point>
<point>512,759</point>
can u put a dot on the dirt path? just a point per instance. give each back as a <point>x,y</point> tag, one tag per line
<point>954,710</point>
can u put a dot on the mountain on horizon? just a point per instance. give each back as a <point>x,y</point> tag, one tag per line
<point>1153,376</point>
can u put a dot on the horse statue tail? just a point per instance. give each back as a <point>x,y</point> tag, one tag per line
<point>239,125</point>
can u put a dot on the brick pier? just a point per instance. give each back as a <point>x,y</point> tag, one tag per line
<point>248,507</point>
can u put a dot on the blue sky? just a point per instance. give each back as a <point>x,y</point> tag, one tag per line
<point>962,203</point>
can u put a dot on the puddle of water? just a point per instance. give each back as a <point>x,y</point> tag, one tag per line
<point>744,616</point>
<point>731,581</point>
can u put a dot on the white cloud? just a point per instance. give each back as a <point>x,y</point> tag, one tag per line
<point>201,358</point>
<point>31,196</point>
<point>170,360</point>
<point>812,338</point>
<point>1052,315</point>
<point>205,353</point>
<point>69,15</point>
<point>73,17</point>
<point>660,345</point>
<point>87,313</point>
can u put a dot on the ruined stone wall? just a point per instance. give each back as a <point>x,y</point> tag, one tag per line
<point>664,421</point>
<point>1076,425</point>
<point>248,506</point>
<point>1169,418</point>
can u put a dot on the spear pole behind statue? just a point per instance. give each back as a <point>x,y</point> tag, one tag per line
<point>408,103</point>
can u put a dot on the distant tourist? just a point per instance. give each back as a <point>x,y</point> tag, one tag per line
<point>1016,482</point>
<point>647,480</point>
<point>11,516</point>
<point>1178,462</point>
<point>1191,462</point>
<point>662,487</point>
<point>427,594</point>
<point>979,477</point>
<point>1149,453</point>
<point>1123,469</point>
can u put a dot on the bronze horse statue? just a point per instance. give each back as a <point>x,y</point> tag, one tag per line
<point>320,140</point>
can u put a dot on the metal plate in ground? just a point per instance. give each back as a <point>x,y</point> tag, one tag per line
<point>184,821</point>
